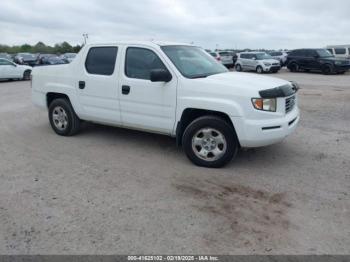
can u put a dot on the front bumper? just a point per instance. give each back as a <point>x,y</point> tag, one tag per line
<point>273,68</point>
<point>257,133</point>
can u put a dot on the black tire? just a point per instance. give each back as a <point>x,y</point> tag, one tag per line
<point>293,67</point>
<point>72,125</point>
<point>327,69</point>
<point>26,75</point>
<point>214,123</point>
<point>259,70</point>
<point>238,68</point>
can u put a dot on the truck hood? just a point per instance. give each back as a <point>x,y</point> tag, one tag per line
<point>247,81</point>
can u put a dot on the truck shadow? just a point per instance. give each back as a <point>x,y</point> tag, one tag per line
<point>165,144</point>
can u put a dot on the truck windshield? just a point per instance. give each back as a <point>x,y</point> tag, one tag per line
<point>193,62</point>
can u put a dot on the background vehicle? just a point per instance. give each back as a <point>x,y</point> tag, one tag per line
<point>176,90</point>
<point>6,56</point>
<point>340,51</point>
<point>216,56</point>
<point>25,59</point>
<point>309,59</point>
<point>43,56</point>
<point>9,70</point>
<point>226,58</point>
<point>68,57</point>
<point>259,62</point>
<point>280,56</point>
<point>52,60</point>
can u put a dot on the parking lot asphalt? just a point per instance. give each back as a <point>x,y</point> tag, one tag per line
<point>114,191</point>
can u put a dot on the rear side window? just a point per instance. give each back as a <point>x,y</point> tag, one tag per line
<point>139,63</point>
<point>297,52</point>
<point>101,60</point>
<point>340,51</point>
<point>349,51</point>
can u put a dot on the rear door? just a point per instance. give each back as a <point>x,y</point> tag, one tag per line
<point>144,104</point>
<point>244,61</point>
<point>97,84</point>
<point>312,62</point>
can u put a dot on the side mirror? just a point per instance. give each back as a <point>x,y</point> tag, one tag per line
<point>160,75</point>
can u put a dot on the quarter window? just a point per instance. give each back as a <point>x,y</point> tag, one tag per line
<point>101,60</point>
<point>139,63</point>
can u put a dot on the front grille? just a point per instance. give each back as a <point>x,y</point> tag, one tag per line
<point>290,103</point>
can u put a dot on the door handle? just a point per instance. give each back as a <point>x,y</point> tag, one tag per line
<point>125,90</point>
<point>81,84</point>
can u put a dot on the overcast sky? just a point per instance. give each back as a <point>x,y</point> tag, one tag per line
<point>208,23</point>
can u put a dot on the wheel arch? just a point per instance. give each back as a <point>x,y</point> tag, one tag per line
<point>190,114</point>
<point>51,96</point>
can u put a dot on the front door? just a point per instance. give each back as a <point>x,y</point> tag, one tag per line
<point>144,104</point>
<point>98,85</point>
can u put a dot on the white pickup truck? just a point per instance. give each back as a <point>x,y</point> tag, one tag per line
<point>173,89</point>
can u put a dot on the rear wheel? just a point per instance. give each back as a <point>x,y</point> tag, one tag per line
<point>62,118</point>
<point>238,68</point>
<point>210,141</point>
<point>293,67</point>
<point>259,70</point>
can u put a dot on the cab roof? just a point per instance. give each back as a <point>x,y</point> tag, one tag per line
<point>147,43</point>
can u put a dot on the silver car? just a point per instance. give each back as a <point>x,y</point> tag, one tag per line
<point>259,62</point>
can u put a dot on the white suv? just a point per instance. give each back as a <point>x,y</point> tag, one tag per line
<point>259,62</point>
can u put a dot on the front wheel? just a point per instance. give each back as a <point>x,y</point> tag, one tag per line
<point>259,70</point>
<point>210,141</point>
<point>327,69</point>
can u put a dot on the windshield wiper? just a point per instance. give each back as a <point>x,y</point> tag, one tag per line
<point>202,75</point>
<point>199,76</point>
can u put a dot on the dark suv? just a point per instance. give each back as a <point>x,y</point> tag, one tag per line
<point>316,60</point>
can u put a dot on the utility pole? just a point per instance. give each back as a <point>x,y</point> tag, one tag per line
<point>86,36</point>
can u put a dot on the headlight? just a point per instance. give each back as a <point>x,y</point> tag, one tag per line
<point>265,104</point>
<point>267,64</point>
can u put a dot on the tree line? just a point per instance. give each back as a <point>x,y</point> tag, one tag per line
<point>40,47</point>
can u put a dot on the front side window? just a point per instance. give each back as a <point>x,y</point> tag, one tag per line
<point>192,61</point>
<point>139,63</point>
<point>101,60</point>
